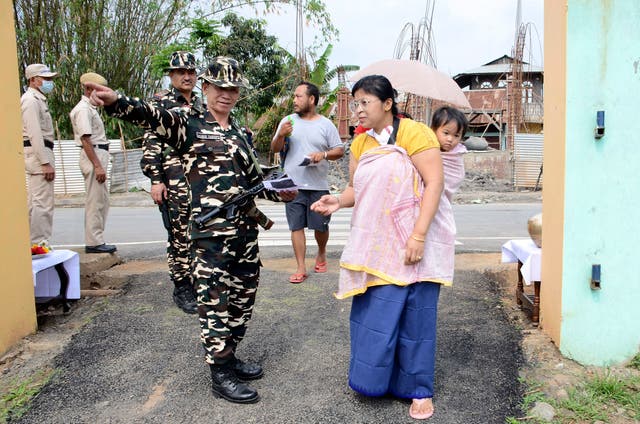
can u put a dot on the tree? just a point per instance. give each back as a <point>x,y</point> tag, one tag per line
<point>261,57</point>
<point>112,37</point>
<point>315,12</point>
<point>118,39</point>
<point>320,75</point>
<point>263,61</point>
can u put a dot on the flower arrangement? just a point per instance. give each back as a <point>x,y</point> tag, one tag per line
<point>41,248</point>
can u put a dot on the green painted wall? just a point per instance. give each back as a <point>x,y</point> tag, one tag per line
<point>602,182</point>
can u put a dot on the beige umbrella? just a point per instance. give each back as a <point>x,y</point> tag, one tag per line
<point>411,76</point>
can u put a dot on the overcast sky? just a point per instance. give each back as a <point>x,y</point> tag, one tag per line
<point>468,33</point>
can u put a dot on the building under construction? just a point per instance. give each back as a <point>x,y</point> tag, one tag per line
<point>495,102</point>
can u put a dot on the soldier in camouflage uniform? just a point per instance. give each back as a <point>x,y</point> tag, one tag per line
<point>163,165</point>
<point>219,163</point>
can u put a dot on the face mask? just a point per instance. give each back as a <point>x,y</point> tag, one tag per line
<point>46,87</point>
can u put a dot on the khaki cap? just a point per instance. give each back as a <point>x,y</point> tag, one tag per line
<point>38,70</point>
<point>93,77</point>
<point>224,72</point>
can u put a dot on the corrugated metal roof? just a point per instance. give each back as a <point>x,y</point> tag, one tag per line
<point>500,68</point>
<point>126,173</point>
<point>69,179</point>
<point>528,159</point>
<point>124,168</point>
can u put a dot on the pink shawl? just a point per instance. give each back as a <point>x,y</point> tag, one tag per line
<point>453,165</point>
<point>388,190</point>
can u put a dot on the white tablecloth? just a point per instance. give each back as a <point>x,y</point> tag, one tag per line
<point>526,252</point>
<point>45,277</point>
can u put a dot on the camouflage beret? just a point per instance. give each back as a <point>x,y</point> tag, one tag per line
<point>224,72</point>
<point>181,60</point>
<point>93,77</point>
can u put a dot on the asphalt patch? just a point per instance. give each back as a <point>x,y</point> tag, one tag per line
<point>140,360</point>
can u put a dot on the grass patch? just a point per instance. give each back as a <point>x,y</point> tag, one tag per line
<point>533,393</point>
<point>14,400</point>
<point>597,398</point>
<point>635,362</point>
<point>602,395</point>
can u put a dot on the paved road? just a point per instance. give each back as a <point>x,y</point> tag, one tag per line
<point>483,227</point>
<point>139,359</point>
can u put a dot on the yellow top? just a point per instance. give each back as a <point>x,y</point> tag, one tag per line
<point>414,137</point>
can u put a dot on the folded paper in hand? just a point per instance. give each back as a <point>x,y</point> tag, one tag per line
<point>307,162</point>
<point>284,183</point>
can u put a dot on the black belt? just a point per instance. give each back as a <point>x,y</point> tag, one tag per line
<point>99,146</point>
<point>47,143</point>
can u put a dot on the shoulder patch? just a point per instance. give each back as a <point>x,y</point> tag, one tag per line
<point>160,94</point>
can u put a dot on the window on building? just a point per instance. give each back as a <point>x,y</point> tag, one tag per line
<point>527,92</point>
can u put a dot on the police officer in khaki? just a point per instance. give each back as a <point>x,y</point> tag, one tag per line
<point>37,138</point>
<point>88,132</point>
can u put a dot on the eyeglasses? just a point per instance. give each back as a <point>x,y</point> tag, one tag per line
<point>355,104</point>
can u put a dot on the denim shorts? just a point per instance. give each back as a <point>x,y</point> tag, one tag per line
<point>299,214</point>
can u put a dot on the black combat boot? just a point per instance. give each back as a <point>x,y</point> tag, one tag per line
<point>226,385</point>
<point>184,296</point>
<point>245,370</point>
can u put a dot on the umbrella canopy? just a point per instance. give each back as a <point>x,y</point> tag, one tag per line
<point>411,76</point>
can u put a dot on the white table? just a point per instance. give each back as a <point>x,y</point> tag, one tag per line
<point>528,256</point>
<point>57,274</point>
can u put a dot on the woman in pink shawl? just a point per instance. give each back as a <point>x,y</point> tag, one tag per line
<point>400,250</point>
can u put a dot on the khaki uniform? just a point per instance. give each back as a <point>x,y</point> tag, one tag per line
<point>86,121</point>
<point>37,135</point>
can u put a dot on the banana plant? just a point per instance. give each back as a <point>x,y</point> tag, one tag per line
<point>321,76</point>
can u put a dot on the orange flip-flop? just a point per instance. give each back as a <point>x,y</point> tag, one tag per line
<point>320,267</point>
<point>297,278</point>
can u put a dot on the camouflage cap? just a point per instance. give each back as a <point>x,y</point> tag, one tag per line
<point>224,72</point>
<point>181,60</point>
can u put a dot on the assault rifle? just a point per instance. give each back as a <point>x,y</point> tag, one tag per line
<point>237,201</point>
<point>164,211</point>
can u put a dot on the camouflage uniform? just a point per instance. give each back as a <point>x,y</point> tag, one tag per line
<point>162,164</point>
<point>218,164</point>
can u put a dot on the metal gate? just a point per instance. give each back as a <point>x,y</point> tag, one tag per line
<point>527,160</point>
<point>123,169</point>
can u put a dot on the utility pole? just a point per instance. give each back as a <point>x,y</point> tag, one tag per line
<point>300,56</point>
<point>421,48</point>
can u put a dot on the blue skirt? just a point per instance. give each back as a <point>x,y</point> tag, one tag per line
<point>393,340</point>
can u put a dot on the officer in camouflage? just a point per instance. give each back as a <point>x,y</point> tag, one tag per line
<point>163,165</point>
<point>219,164</point>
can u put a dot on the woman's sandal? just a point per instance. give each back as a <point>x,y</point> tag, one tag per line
<point>421,415</point>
